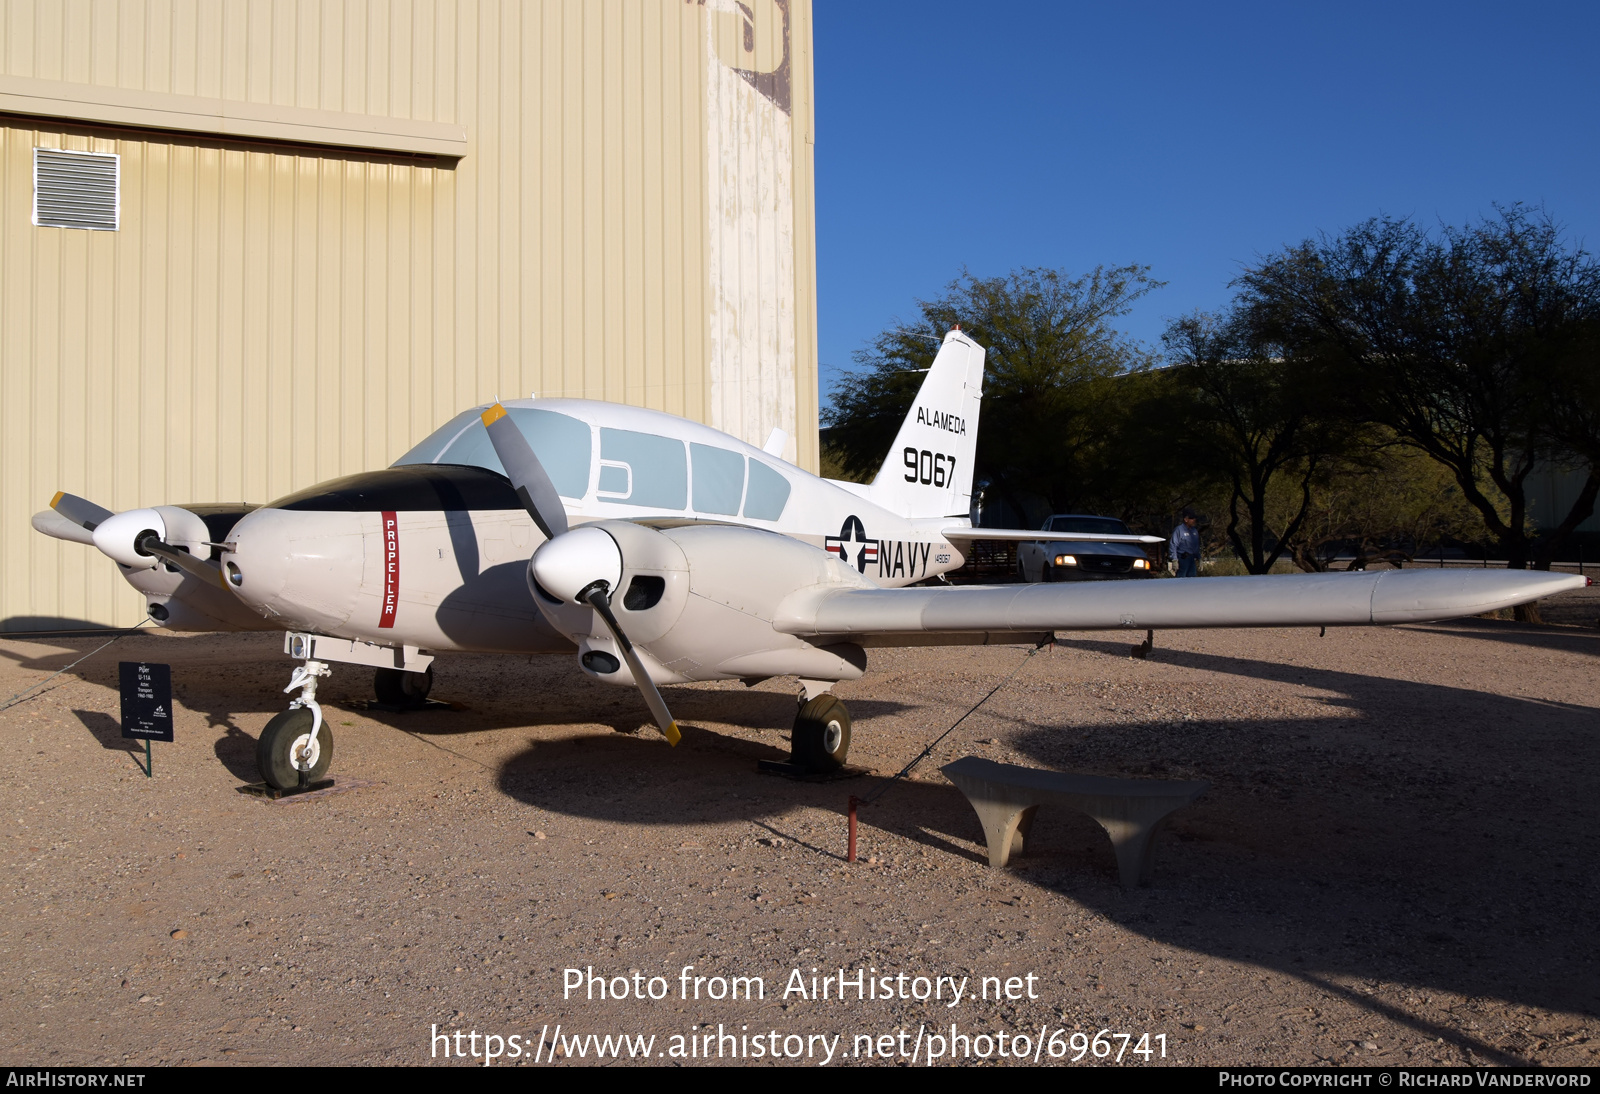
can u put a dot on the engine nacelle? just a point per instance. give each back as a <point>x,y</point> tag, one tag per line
<point>698,601</point>
<point>118,536</point>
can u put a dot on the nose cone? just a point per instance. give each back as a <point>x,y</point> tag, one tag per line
<point>303,568</point>
<point>574,560</point>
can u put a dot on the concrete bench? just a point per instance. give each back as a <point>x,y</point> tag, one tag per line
<point>1006,796</point>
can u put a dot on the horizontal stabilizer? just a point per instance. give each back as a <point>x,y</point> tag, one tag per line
<point>1297,600</point>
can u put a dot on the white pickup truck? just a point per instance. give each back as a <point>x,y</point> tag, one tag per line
<point>1078,559</point>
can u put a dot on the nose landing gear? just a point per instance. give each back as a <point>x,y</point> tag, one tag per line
<point>296,747</point>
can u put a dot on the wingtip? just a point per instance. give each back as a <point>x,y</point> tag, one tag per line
<point>493,414</point>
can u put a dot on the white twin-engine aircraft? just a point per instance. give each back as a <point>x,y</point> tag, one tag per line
<point>662,551</point>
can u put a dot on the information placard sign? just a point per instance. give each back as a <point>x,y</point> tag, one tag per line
<point>146,701</point>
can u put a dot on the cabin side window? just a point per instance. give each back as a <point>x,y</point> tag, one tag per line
<point>643,469</point>
<point>718,480</point>
<point>768,493</point>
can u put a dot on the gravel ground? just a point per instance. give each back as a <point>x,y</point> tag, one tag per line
<point>1393,865</point>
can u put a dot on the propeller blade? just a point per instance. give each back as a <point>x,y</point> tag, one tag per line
<point>80,511</point>
<point>596,598</point>
<point>527,474</point>
<point>183,560</point>
<point>53,524</point>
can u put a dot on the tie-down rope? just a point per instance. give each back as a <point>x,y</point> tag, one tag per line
<point>18,697</point>
<point>928,751</point>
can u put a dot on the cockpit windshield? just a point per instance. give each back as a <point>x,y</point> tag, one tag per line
<point>562,444</point>
<point>647,470</point>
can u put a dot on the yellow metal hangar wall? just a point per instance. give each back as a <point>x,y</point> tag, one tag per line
<point>339,222</point>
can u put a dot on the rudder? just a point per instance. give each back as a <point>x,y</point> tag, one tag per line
<point>928,472</point>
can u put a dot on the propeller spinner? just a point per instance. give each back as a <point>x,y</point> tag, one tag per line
<point>583,565</point>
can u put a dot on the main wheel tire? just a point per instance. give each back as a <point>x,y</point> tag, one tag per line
<point>821,739</point>
<point>398,688</point>
<point>1048,573</point>
<point>276,746</point>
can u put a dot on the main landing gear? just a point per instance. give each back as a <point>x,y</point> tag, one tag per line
<point>398,688</point>
<point>821,739</point>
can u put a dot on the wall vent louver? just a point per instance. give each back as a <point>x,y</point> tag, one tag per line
<point>76,189</point>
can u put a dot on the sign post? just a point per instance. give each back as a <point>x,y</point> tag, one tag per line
<point>146,704</point>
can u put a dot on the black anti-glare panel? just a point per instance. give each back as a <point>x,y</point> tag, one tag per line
<point>413,488</point>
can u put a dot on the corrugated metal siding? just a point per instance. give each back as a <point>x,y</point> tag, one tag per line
<point>269,316</point>
<point>809,453</point>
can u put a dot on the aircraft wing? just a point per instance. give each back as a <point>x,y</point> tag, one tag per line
<point>1290,600</point>
<point>1026,535</point>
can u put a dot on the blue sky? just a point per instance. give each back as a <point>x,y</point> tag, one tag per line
<point>1188,137</point>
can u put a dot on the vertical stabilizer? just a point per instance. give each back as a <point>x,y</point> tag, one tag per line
<point>928,472</point>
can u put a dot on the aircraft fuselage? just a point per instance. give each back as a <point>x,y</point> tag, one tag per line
<point>433,552</point>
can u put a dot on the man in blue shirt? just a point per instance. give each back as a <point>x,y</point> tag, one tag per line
<point>1185,545</point>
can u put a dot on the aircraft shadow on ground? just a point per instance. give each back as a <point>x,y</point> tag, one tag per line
<point>236,751</point>
<point>1568,639</point>
<point>30,625</point>
<point>247,688</point>
<point>707,779</point>
<point>1424,834</point>
<point>565,699</point>
<point>494,692</point>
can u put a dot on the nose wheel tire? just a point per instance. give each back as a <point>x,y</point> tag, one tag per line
<point>821,740</point>
<point>395,687</point>
<point>287,738</point>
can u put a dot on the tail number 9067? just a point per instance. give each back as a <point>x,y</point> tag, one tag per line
<point>929,468</point>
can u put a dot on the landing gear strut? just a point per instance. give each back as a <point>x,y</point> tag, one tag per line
<point>296,747</point>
